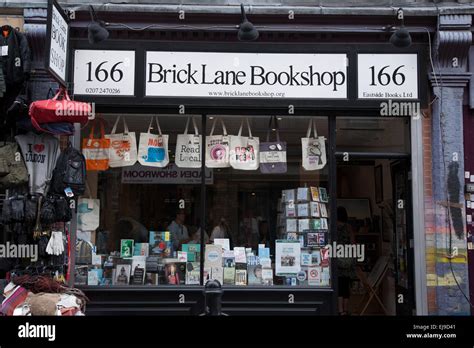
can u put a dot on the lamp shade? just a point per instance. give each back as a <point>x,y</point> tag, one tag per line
<point>401,38</point>
<point>97,32</point>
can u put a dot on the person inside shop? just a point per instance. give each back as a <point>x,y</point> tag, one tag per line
<point>222,230</point>
<point>195,235</point>
<point>178,231</point>
<point>249,230</point>
<point>345,266</point>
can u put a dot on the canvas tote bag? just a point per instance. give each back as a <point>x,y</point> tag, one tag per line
<point>153,148</point>
<point>217,148</point>
<point>314,149</point>
<point>88,212</point>
<point>273,153</point>
<point>188,148</point>
<point>123,146</point>
<point>244,151</point>
<point>96,150</point>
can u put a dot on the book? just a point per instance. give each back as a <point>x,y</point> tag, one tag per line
<point>193,250</point>
<point>324,257</point>
<point>303,210</point>
<point>321,238</point>
<point>138,261</point>
<point>240,277</point>
<point>303,225</point>
<point>94,276</point>
<point>323,195</point>
<point>288,195</point>
<point>151,263</point>
<point>266,262</point>
<point>252,260</point>
<point>292,236</point>
<point>122,274</point>
<point>314,208</point>
<point>325,276</point>
<point>324,224</point>
<point>223,242</point>
<point>171,273</point>
<point>160,244</point>
<point>314,194</point>
<point>290,210</point>
<point>263,251</point>
<point>303,194</point>
<point>315,224</point>
<point>151,279</point>
<point>229,275</point>
<point>255,275</point>
<point>287,257</point>
<point>314,275</point>
<point>312,239</point>
<point>240,256</point>
<point>267,276</point>
<point>193,273</point>
<point>217,273</point>
<point>228,259</point>
<point>181,269</point>
<point>213,256</point>
<point>141,249</point>
<point>316,258</point>
<point>126,248</point>
<point>306,259</point>
<point>138,276</point>
<point>291,225</point>
<point>323,210</point>
<point>107,274</point>
<point>182,256</point>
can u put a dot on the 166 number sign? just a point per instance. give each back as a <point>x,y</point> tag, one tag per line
<point>387,76</point>
<point>104,72</point>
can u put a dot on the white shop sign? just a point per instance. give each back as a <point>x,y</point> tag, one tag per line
<point>99,72</point>
<point>138,174</point>
<point>246,75</point>
<point>387,76</point>
<point>58,42</point>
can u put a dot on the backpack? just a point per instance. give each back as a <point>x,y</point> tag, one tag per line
<point>12,168</point>
<point>70,171</point>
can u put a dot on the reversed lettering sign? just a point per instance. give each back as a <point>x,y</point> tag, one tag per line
<point>99,72</point>
<point>246,75</point>
<point>387,76</point>
<point>171,174</point>
<point>58,30</point>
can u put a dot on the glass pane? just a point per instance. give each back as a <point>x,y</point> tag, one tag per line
<point>267,222</point>
<point>362,134</point>
<point>147,211</point>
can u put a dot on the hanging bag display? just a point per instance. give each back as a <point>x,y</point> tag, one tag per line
<point>217,148</point>
<point>88,212</point>
<point>96,150</point>
<point>153,148</point>
<point>123,146</point>
<point>188,148</point>
<point>314,149</point>
<point>59,109</point>
<point>244,151</point>
<point>273,153</point>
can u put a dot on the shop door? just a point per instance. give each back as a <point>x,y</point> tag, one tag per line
<point>404,253</point>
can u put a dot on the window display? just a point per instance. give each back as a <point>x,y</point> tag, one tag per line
<point>263,227</point>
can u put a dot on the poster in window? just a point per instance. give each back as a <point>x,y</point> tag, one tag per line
<point>288,257</point>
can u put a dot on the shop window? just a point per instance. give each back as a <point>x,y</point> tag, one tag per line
<point>266,217</point>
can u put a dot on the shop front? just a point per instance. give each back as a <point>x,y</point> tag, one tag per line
<point>222,182</point>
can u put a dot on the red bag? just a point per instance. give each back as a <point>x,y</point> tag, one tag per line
<point>62,110</point>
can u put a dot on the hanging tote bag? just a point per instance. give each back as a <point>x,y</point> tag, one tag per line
<point>314,149</point>
<point>273,153</point>
<point>123,146</point>
<point>88,212</point>
<point>217,148</point>
<point>96,150</point>
<point>244,151</point>
<point>153,148</point>
<point>188,148</point>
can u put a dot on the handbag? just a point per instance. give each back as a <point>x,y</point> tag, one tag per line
<point>188,148</point>
<point>96,150</point>
<point>273,153</point>
<point>123,146</point>
<point>59,110</point>
<point>153,148</point>
<point>88,212</point>
<point>244,151</point>
<point>314,149</point>
<point>12,167</point>
<point>217,148</point>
